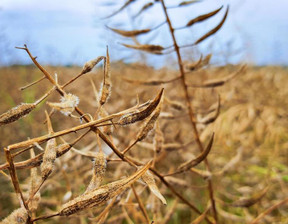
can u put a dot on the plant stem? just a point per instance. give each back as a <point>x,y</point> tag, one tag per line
<point>188,101</point>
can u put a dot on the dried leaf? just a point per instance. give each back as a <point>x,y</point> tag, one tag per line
<point>101,194</point>
<point>155,49</point>
<point>214,30</point>
<point>203,17</point>
<point>148,178</point>
<point>131,33</point>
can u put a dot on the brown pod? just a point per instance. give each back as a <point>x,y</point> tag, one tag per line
<point>16,113</point>
<point>19,216</point>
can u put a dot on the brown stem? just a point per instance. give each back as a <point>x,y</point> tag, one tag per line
<point>177,194</point>
<point>44,217</point>
<point>189,104</point>
<point>14,177</point>
<point>141,205</point>
<point>270,209</point>
<point>31,84</point>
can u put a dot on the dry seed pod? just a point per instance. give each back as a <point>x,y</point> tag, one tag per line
<point>138,116</point>
<point>148,178</point>
<point>228,166</point>
<point>99,168</point>
<point>200,158</point>
<point>67,104</point>
<point>108,130</point>
<point>175,104</point>
<point>145,7</point>
<point>149,124</point>
<point>203,17</point>
<point>131,33</point>
<point>17,217</point>
<point>221,81</point>
<point>155,49</point>
<point>37,160</point>
<point>158,138</point>
<point>199,64</point>
<point>21,110</point>
<point>128,2</point>
<point>88,66</point>
<point>214,30</point>
<point>211,118</point>
<point>34,182</point>
<point>105,90</point>
<point>205,174</point>
<point>101,194</point>
<point>184,3</point>
<point>16,113</point>
<point>150,82</point>
<point>50,152</point>
<point>247,202</point>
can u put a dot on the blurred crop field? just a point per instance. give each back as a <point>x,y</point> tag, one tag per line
<point>249,153</point>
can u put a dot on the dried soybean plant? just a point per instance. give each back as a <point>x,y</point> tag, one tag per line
<point>105,186</point>
<point>185,101</point>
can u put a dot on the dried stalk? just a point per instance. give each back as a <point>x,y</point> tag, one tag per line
<point>188,101</point>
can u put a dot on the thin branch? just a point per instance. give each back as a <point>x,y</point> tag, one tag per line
<point>189,104</point>
<point>31,84</point>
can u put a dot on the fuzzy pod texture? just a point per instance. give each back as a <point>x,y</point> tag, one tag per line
<point>138,116</point>
<point>148,178</point>
<point>101,194</point>
<point>99,169</point>
<point>34,182</point>
<point>105,90</point>
<point>49,157</point>
<point>19,216</point>
<point>88,66</point>
<point>16,113</point>
<point>67,104</point>
<point>149,124</point>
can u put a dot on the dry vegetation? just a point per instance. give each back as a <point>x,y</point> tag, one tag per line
<point>193,145</point>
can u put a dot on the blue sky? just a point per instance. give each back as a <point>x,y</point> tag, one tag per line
<point>72,32</point>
